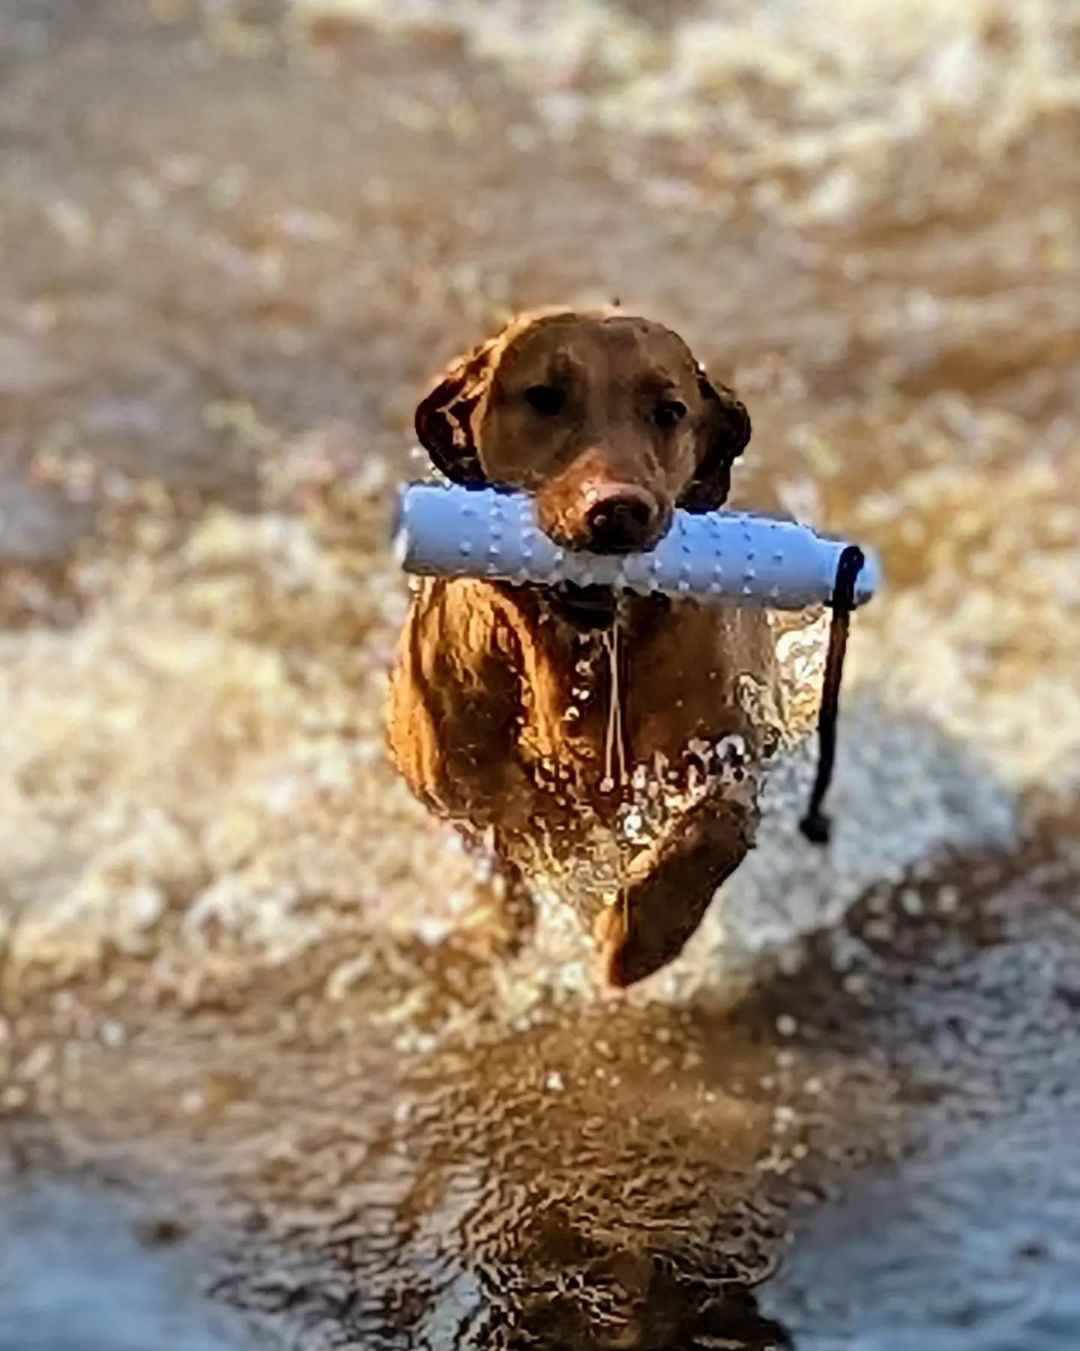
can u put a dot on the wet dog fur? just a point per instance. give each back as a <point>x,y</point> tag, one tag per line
<point>610,423</point>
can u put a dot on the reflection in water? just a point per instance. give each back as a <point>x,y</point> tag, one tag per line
<point>82,1276</point>
<point>241,963</point>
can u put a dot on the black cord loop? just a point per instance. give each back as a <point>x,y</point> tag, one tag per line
<point>816,825</point>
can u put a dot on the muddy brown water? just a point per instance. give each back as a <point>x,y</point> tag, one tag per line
<point>265,1078</point>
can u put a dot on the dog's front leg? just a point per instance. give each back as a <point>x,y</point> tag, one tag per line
<point>669,888</point>
<point>502,916</point>
<point>454,702</point>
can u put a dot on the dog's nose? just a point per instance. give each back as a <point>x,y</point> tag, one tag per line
<point>622,522</point>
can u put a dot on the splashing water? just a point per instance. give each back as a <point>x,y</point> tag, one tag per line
<point>614,744</point>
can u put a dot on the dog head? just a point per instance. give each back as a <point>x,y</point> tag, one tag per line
<point>606,419</point>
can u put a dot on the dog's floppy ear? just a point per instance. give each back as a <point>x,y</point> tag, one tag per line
<point>724,436</point>
<point>444,420</point>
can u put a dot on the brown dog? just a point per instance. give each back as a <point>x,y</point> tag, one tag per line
<point>546,720</point>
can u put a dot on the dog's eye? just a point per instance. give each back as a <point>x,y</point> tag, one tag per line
<point>669,412</point>
<point>545,399</point>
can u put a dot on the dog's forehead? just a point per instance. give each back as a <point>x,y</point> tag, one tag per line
<point>629,343</point>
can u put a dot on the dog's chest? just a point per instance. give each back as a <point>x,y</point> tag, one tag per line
<point>650,696</point>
